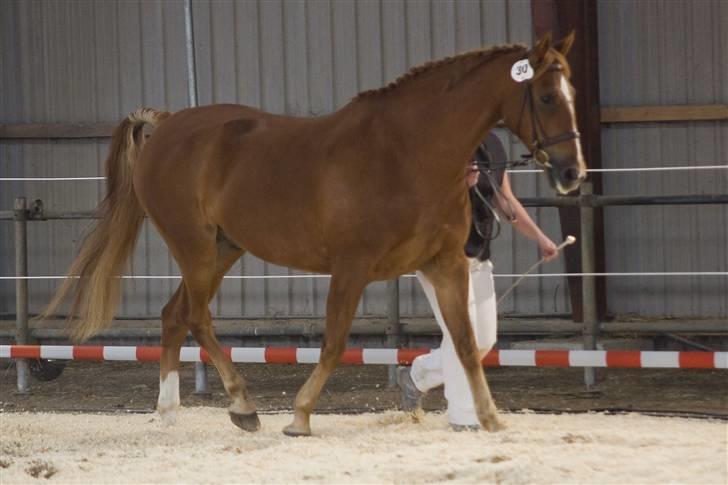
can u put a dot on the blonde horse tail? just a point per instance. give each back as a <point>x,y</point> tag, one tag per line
<point>94,283</point>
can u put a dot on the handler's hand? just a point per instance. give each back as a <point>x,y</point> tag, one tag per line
<point>547,248</point>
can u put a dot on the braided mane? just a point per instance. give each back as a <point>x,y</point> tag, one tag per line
<point>484,54</point>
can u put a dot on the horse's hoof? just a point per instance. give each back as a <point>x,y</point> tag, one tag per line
<point>295,432</point>
<point>494,425</point>
<point>247,422</point>
<point>169,419</point>
<point>168,415</point>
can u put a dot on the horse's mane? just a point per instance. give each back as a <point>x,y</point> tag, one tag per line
<point>484,55</point>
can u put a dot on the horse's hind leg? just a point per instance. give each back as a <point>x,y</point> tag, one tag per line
<point>344,294</point>
<point>242,410</point>
<point>174,332</point>
<point>203,262</point>
<point>449,276</point>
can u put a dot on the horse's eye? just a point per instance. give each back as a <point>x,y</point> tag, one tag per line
<point>547,98</point>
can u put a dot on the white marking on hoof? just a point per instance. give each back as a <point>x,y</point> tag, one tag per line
<point>168,401</point>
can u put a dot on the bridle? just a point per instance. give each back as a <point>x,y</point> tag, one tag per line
<point>539,155</point>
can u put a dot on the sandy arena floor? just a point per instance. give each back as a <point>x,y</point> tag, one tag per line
<point>204,447</point>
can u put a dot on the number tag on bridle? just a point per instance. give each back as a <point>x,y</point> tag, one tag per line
<point>521,71</point>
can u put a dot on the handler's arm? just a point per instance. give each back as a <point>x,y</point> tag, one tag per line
<point>525,225</point>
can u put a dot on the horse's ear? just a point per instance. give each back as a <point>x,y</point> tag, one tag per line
<point>538,53</point>
<point>564,45</point>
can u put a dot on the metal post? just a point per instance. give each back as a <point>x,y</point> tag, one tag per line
<point>590,321</point>
<point>394,327</point>
<point>191,65</point>
<point>201,386</point>
<point>21,289</point>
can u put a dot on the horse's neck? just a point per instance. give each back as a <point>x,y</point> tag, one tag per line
<point>446,114</point>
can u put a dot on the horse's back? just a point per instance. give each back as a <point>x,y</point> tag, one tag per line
<point>292,191</point>
<point>237,168</point>
<point>194,150</point>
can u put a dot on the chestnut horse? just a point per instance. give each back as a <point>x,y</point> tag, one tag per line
<point>369,192</point>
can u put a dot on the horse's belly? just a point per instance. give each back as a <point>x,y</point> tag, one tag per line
<point>285,240</point>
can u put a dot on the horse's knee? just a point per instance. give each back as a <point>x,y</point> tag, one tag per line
<point>171,309</point>
<point>331,354</point>
<point>199,320</point>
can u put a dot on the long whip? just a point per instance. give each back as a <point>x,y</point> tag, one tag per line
<point>568,241</point>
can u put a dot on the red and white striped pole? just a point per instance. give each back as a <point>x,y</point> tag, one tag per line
<point>357,356</point>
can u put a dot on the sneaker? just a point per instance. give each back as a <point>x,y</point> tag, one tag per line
<point>411,396</point>
<point>464,427</point>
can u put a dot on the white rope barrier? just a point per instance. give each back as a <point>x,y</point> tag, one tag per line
<point>658,169</point>
<point>635,169</point>
<point>309,276</point>
<point>47,179</point>
<point>591,170</point>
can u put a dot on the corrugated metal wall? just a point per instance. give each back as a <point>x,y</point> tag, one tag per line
<point>96,61</point>
<point>662,53</point>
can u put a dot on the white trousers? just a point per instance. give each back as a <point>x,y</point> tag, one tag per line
<point>442,366</point>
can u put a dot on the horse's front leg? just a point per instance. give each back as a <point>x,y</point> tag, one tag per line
<point>449,275</point>
<point>344,295</point>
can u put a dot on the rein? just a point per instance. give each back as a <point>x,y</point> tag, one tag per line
<point>485,168</point>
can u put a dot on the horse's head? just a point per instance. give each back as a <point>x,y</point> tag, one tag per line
<point>541,112</point>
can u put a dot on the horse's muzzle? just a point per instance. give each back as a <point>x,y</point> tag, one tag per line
<point>566,176</point>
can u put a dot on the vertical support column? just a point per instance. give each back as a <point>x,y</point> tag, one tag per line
<point>394,326</point>
<point>21,289</point>
<point>201,386</point>
<point>590,321</point>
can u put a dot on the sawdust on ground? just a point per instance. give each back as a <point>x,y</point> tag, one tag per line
<point>204,447</point>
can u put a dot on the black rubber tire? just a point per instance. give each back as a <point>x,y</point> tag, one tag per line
<point>46,370</point>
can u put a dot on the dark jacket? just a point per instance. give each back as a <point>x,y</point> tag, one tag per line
<point>481,229</point>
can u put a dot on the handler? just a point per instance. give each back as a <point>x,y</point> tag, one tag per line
<point>491,199</point>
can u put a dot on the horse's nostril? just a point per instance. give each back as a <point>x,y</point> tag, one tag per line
<point>570,174</point>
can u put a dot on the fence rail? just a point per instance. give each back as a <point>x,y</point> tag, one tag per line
<point>149,328</point>
<point>390,356</point>
<point>37,213</point>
